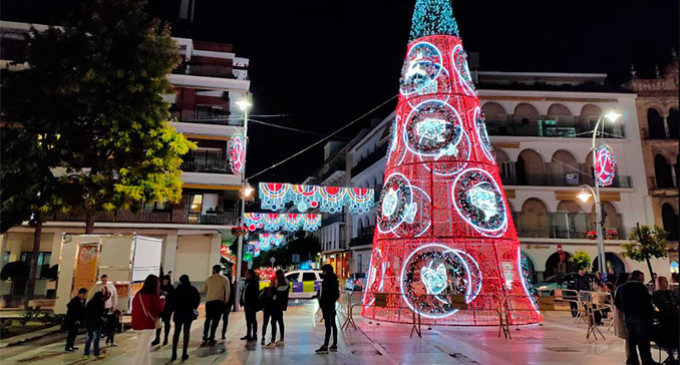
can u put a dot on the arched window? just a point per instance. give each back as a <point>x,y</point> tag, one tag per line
<point>564,169</point>
<point>529,168</point>
<point>525,120</point>
<point>670,222</point>
<point>655,124</point>
<point>534,220</point>
<point>673,123</point>
<point>662,171</point>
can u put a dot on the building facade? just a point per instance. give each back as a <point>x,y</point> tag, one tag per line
<point>541,127</point>
<point>659,119</point>
<point>207,84</point>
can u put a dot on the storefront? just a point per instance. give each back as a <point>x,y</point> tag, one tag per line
<point>340,260</point>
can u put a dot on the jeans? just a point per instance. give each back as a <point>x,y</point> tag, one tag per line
<point>277,318</point>
<point>266,314</point>
<point>166,327</point>
<point>225,319</point>
<point>71,337</point>
<point>251,321</point>
<point>213,313</point>
<point>329,321</point>
<point>186,325</point>
<point>93,335</point>
<point>639,329</point>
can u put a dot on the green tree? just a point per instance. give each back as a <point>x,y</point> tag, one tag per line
<point>646,243</point>
<point>89,108</point>
<point>581,260</point>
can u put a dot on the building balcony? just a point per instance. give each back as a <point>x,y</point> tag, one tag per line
<point>197,69</point>
<point>195,116</point>
<point>210,166</point>
<point>575,180</point>
<point>173,216</point>
<point>212,180</point>
<point>369,160</point>
<point>565,127</point>
<point>568,226</point>
<point>658,135</point>
<point>335,218</point>
<point>365,237</point>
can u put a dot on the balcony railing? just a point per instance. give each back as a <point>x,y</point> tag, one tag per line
<point>175,216</point>
<point>658,134</point>
<point>193,116</point>
<point>568,127</point>
<point>221,71</point>
<point>369,160</point>
<point>212,166</point>
<point>567,225</point>
<point>561,180</point>
<point>365,237</point>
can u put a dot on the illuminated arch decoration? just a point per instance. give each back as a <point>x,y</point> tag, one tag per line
<point>605,165</point>
<point>236,152</point>
<point>328,199</point>
<point>443,225</point>
<point>273,222</point>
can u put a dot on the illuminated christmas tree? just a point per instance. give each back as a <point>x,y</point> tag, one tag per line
<point>444,229</point>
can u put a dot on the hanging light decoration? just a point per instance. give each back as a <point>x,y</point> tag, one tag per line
<point>605,165</point>
<point>236,152</point>
<point>273,222</point>
<point>328,199</point>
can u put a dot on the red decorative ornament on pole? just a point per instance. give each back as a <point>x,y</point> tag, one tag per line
<point>444,228</point>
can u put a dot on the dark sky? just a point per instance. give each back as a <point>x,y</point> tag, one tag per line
<point>328,62</point>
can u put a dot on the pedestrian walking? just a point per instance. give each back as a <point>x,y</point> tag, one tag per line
<point>668,303</point>
<point>227,307</point>
<point>183,303</point>
<point>166,289</point>
<point>634,300</point>
<point>328,296</point>
<point>108,290</point>
<point>147,307</point>
<point>250,303</point>
<point>112,325</point>
<point>94,312</point>
<point>217,291</point>
<point>281,288</point>
<point>266,298</point>
<point>75,316</point>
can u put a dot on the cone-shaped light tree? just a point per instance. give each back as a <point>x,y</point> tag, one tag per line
<point>444,233</point>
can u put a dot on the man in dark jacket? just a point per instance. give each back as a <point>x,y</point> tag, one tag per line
<point>75,316</point>
<point>328,296</point>
<point>250,302</point>
<point>183,302</point>
<point>634,300</point>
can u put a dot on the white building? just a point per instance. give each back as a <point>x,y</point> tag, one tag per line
<point>208,82</point>
<point>540,125</point>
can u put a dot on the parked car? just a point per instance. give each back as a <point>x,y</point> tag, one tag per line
<point>558,281</point>
<point>356,282</point>
<point>304,283</point>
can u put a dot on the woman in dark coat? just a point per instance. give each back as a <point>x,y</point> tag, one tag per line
<point>183,301</point>
<point>280,287</point>
<point>166,290</point>
<point>330,292</point>
<point>250,302</point>
<point>94,312</point>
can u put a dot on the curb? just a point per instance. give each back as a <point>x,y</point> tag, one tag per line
<point>29,337</point>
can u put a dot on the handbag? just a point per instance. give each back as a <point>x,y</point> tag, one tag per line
<point>158,323</point>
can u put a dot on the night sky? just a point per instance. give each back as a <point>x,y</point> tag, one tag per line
<point>327,62</point>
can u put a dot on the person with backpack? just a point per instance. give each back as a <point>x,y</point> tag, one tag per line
<point>266,296</point>
<point>227,307</point>
<point>328,295</point>
<point>280,287</point>
<point>183,302</point>
<point>75,317</point>
<point>94,313</point>
<point>250,303</point>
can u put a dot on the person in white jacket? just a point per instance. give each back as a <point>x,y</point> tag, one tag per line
<point>109,291</point>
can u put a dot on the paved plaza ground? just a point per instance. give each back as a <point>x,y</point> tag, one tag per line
<point>557,341</point>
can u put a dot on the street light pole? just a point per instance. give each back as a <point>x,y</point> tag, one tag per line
<point>244,105</point>
<point>598,206</point>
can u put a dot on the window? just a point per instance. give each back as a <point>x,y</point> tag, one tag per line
<point>293,278</point>
<point>308,276</point>
<point>196,203</point>
<point>43,261</point>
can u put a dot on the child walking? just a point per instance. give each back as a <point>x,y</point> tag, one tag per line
<point>112,325</point>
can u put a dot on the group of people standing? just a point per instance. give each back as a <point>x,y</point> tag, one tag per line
<point>636,311</point>
<point>158,303</point>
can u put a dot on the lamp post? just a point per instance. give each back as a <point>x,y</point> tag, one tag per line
<point>244,104</point>
<point>612,116</point>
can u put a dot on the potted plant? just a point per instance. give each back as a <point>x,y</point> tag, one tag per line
<point>591,235</point>
<point>612,234</point>
<point>581,260</point>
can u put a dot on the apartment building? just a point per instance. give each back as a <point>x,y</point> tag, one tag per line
<point>207,84</point>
